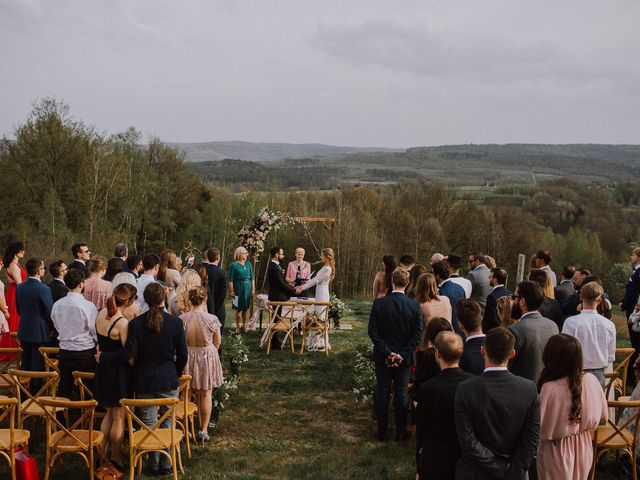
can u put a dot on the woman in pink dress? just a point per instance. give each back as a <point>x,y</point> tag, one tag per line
<point>15,275</point>
<point>432,304</point>
<point>202,331</point>
<point>572,403</point>
<point>97,290</point>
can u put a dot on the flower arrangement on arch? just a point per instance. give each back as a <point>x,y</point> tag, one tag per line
<point>253,235</point>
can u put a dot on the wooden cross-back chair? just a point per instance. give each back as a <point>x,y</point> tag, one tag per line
<point>14,355</point>
<point>10,438</point>
<point>73,439</point>
<point>186,411</point>
<point>80,379</point>
<point>315,320</point>
<point>147,439</point>
<point>32,405</point>
<point>623,369</point>
<point>281,314</point>
<point>51,358</point>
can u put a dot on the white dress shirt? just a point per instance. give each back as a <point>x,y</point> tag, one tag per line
<point>143,282</point>
<point>597,336</point>
<point>495,369</point>
<point>464,283</point>
<point>75,320</point>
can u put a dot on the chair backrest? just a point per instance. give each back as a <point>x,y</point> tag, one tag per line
<point>317,312</point>
<point>623,367</point>
<point>87,410</point>
<point>610,380</point>
<point>617,429</point>
<point>183,391</point>
<point>281,314</point>
<point>79,378</point>
<point>14,355</point>
<point>8,409</point>
<point>133,421</point>
<point>22,379</point>
<point>50,356</point>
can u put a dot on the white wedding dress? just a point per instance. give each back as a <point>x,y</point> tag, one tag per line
<point>321,281</point>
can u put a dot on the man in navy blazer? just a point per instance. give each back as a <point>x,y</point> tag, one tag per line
<point>217,286</point>
<point>453,291</point>
<point>497,279</point>
<point>34,302</point>
<point>395,327</point>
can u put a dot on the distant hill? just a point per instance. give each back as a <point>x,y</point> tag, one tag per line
<point>266,152</point>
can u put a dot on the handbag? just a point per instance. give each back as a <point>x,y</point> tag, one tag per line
<point>26,467</point>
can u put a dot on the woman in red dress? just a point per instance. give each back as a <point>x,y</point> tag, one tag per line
<point>15,275</point>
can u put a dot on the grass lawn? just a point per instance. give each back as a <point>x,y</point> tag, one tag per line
<point>296,417</point>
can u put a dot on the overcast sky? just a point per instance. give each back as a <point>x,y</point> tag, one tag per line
<point>349,72</point>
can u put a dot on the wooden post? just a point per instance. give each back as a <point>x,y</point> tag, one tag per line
<point>521,265</point>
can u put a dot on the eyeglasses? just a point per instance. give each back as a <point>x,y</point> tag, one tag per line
<point>515,297</point>
<point>85,251</point>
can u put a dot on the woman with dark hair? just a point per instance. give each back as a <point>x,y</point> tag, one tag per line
<point>426,364</point>
<point>15,275</point>
<point>572,404</point>
<point>114,266</point>
<point>156,341</point>
<point>414,273</point>
<point>382,280</point>
<point>169,270</point>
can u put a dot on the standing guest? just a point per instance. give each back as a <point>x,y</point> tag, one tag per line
<point>4,311</point>
<point>216,285</point>
<point>121,251</point>
<point>242,286</point>
<point>114,266</point>
<point>81,255</point>
<point>123,278</point>
<point>596,334</point>
<point>435,258</point>
<point>169,270</point>
<point>395,326</point>
<point>550,307</point>
<point>566,286</point>
<point>156,341</point>
<point>505,305</point>
<point>407,262</point>
<point>497,280</point>
<point>202,332</point>
<point>96,289</point>
<point>74,318</point>
<point>113,383</point>
<point>437,442</point>
<point>490,262</point>
<point>572,405</point>
<point>573,305</point>
<point>541,260</point>
<point>455,264</point>
<point>34,302</point>
<point>58,270</point>
<point>446,287</point>
<point>15,276</point>
<point>414,273</point>
<point>479,278</point>
<point>497,430</point>
<point>470,318</point>
<point>298,270</point>
<point>382,280</point>
<point>134,265</point>
<point>150,265</point>
<point>627,305</point>
<point>532,332</point>
<point>431,304</point>
<point>181,304</point>
<point>426,365</point>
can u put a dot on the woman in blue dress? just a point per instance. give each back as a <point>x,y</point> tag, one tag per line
<point>242,286</point>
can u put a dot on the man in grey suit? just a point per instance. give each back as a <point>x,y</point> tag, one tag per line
<point>479,278</point>
<point>532,331</point>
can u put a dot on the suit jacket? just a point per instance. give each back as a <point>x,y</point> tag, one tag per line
<point>498,430</point>
<point>550,309</point>
<point>532,333</point>
<point>454,293</point>
<point>437,441</point>
<point>472,360</point>
<point>58,290</point>
<point>491,319</point>
<point>217,286</point>
<point>564,290</point>
<point>480,286</point>
<point>80,266</point>
<point>395,325</point>
<point>632,292</point>
<point>279,289</point>
<point>34,302</point>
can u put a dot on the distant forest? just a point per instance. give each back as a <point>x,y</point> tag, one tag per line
<point>63,181</point>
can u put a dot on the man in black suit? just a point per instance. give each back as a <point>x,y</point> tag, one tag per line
<point>550,307</point>
<point>279,289</point>
<point>497,279</point>
<point>217,285</point>
<point>628,304</point>
<point>497,416</point>
<point>81,255</point>
<point>121,251</point>
<point>395,327</point>
<point>470,319</point>
<point>437,442</point>
<point>566,288</point>
<point>58,288</point>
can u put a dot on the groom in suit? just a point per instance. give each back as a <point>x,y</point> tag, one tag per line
<point>279,289</point>
<point>217,285</point>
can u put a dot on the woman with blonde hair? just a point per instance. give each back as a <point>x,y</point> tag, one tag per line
<point>298,270</point>
<point>504,305</point>
<point>432,304</point>
<point>96,289</point>
<point>242,286</point>
<point>180,303</point>
<point>169,270</point>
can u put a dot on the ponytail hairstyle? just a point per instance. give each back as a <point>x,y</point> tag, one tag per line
<point>154,295</point>
<point>97,264</point>
<point>197,296</point>
<point>122,297</point>
<point>328,254</point>
<point>189,280</point>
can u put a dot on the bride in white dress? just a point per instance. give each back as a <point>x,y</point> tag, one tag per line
<point>321,281</point>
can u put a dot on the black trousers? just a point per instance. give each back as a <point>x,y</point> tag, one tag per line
<point>71,361</point>
<point>32,361</point>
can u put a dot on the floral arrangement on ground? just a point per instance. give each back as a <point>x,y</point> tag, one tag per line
<point>364,374</point>
<point>337,309</point>
<point>234,354</point>
<point>253,235</point>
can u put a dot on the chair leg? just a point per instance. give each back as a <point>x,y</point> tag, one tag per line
<point>186,434</point>
<point>91,460</point>
<point>293,349</point>
<point>269,342</point>
<point>180,460</point>
<point>47,463</point>
<point>304,337</point>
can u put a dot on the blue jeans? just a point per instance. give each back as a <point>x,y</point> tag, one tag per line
<point>400,378</point>
<point>150,415</point>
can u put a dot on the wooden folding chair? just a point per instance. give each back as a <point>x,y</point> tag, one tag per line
<point>79,378</point>
<point>315,321</point>
<point>10,438</point>
<point>32,406</point>
<point>153,439</point>
<point>186,411</point>
<point>51,358</point>
<point>618,437</point>
<point>623,369</point>
<point>73,439</point>
<point>14,355</point>
<point>281,314</point>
